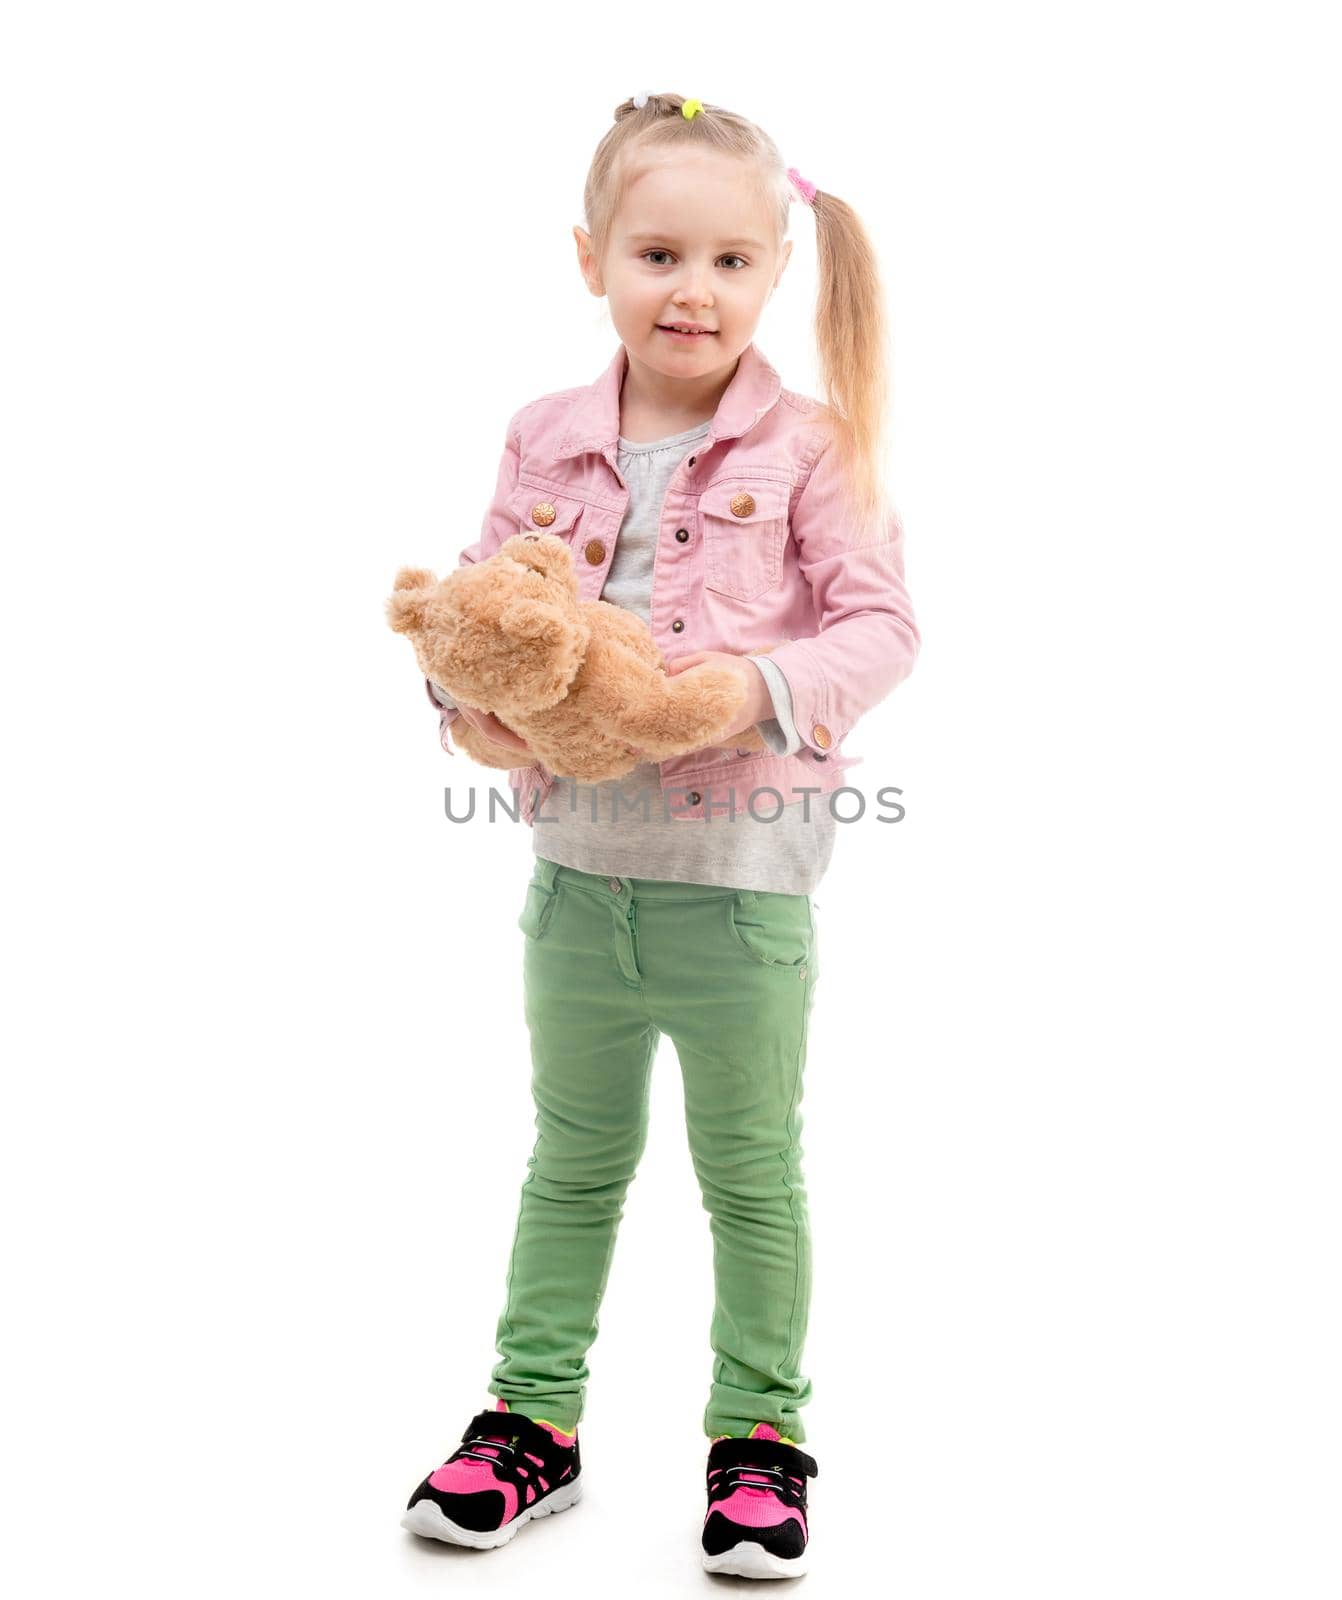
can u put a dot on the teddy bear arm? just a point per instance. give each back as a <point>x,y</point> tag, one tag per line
<point>668,716</point>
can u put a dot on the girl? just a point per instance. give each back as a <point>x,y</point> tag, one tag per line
<point>747,526</point>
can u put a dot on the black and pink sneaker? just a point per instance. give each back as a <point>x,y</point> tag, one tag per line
<point>755,1526</point>
<point>506,1470</point>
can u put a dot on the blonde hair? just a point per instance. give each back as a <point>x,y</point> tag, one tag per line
<point>850,316</point>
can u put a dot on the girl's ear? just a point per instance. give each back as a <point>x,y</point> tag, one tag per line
<point>782,265</point>
<point>587,263</point>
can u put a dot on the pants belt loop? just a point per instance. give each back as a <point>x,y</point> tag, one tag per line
<point>747,899</point>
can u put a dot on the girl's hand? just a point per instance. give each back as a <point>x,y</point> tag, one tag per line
<point>758,704</point>
<point>487,723</point>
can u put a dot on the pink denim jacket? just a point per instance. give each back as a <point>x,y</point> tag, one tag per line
<point>752,549</point>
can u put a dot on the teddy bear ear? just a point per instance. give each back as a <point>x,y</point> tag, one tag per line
<point>411,591</point>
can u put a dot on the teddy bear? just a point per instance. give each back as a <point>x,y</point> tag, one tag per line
<point>580,680</point>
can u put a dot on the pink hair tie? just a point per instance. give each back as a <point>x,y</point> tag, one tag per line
<point>806,190</point>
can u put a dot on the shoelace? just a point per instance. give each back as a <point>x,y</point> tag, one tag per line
<point>490,1447</point>
<point>482,1439</point>
<point>763,1480</point>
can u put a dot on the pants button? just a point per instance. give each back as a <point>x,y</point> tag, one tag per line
<point>615,885</point>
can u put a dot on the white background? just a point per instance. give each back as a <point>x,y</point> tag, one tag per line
<point>275,276</point>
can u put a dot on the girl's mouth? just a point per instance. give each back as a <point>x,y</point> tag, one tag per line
<point>675,333</point>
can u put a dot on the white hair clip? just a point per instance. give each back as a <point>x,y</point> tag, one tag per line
<point>640,100</point>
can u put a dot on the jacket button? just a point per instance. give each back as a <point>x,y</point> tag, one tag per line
<point>682,534</point>
<point>742,504</point>
<point>543,514</point>
<point>595,552</point>
<point>820,733</point>
<point>677,626</point>
<point>693,797</point>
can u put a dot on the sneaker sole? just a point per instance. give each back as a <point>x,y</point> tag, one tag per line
<point>751,1560</point>
<point>429,1521</point>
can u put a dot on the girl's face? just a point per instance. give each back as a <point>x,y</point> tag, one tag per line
<point>692,244</point>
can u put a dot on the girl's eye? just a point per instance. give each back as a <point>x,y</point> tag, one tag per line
<point>741,259</point>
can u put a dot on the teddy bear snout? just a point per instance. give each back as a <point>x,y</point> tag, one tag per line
<point>542,552</point>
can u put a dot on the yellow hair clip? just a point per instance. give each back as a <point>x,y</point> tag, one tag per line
<point>691,109</point>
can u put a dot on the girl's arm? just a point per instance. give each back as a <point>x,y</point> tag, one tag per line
<point>868,639</point>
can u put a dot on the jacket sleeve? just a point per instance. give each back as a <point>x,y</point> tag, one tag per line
<point>498,525</point>
<point>868,638</point>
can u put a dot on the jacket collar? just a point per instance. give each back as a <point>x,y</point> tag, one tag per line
<point>594,421</point>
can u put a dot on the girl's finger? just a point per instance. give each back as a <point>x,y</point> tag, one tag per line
<point>501,733</point>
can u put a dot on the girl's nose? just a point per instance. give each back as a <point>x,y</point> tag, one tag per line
<point>696,291</point>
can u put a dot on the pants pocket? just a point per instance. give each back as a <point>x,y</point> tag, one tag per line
<point>538,910</point>
<point>775,930</point>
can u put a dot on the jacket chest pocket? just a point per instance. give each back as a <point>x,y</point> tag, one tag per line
<point>538,511</point>
<point>744,527</point>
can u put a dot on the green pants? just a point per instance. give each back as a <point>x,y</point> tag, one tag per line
<point>610,964</point>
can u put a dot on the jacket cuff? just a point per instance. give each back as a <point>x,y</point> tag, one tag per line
<point>440,696</point>
<point>448,712</point>
<point>808,692</point>
<point>779,732</point>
